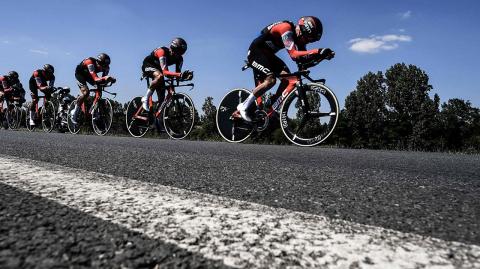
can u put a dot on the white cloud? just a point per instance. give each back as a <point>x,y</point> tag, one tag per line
<point>42,52</point>
<point>375,44</point>
<point>6,41</point>
<point>401,30</point>
<point>406,15</point>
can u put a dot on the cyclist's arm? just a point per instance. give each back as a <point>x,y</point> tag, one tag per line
<point>91,69</point>
<point>287,34</point>
<point>51,83</point>
<point>160,54</point>
<point>42,85</point>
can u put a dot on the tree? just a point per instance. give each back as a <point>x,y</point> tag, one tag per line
<point>208,119</point>
<point>412,113</point>
<point>460,124</point>
<point>365,112</point>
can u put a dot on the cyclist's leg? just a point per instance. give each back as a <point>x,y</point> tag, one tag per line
<point>154,73</point>
<point>82,85</point>
<point>264,72</point>
<point>286,83</point>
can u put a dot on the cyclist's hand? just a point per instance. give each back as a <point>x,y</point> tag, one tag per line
<point>187,75</point>
<point>112,79</point>
<point>326,53</point>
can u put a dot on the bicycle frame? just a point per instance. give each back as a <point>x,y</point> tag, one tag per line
<point>300,75</point>
<point>98,96</point>
<point>170,87</point>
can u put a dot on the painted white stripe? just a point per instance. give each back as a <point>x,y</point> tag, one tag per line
<point>239,233</point>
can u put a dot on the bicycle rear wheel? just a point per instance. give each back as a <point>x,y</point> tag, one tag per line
<point>74,128</point>
<point>102,116</point>
<point>137,127</point>
<point>233,130</point>
<point>309,114</point>
<point>179,116</point>
<point>47,114</point>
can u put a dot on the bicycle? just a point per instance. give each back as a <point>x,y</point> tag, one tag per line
<point>62,100</point>
<point>308,113</point>
<point>177,113</point>
<point>46,114</point>
<point>100,111</point>
<point>13,112</point>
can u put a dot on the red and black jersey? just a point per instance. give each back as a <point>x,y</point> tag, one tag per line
<point>162,58</point>
<point>39,80</point>
<point>90,67</point>
<point>5,83</point>
<point>280,35</point>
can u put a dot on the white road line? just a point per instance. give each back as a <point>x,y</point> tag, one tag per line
<point>241,234</point>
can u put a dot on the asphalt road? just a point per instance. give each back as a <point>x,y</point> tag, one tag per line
<point>430,194</point>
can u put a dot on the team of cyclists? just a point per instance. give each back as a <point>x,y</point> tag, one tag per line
<point>267,67</point>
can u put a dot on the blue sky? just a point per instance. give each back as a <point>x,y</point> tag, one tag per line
<point>441,37</point>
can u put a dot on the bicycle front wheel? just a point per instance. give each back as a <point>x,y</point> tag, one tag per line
<point>309,114</point>
<point>102,116</point>
<point>233,129</point>
<point>12,117</point>
<point>179,116</point>
<point>47,115</point>
<point>137,125</point>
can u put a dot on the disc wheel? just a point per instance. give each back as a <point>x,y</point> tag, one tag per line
<point>179,116</point>
<point>233,129</point>
<point>311,122</point>
<point>74,128</point>
<point>47,114</point>
<point>137,127</point>
<point>102,116</point>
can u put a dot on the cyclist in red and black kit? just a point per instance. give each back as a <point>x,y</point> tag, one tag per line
<point>43,80</point>
<point>155,67</point>
<point>267,66</point>
<point>87,72</point>
<point>10,87</point>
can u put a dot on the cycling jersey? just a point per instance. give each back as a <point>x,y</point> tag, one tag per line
<point>9,88</point>
<point>4,84</point>
<point>38,81</point>
<point>282,35</point>
<point>274,37</point>
<point>87,71</point>
<point>159,60</point>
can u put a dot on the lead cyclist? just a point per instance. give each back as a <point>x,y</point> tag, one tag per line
<point>267,66</point>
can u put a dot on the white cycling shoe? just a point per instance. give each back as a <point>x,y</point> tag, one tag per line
<point>243,112</point>
<point>32,123</point>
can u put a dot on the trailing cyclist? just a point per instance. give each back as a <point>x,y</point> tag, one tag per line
<point>267,66</point>
<point>155,67</point>
<point>10,88</point>
<point>43,80</point>
<point>87,72</point>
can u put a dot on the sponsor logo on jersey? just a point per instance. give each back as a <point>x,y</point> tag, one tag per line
<point>287,39</point>
<point>261,68</point>
<point>91,68</point>
<point>273,25</point>
<point>163,62</point>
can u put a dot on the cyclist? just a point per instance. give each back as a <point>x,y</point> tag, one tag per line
<point>43,80</point>
<point>10,88</point>
<point>155,67</point>
<point>87,72</point>
<point>267,66</point>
